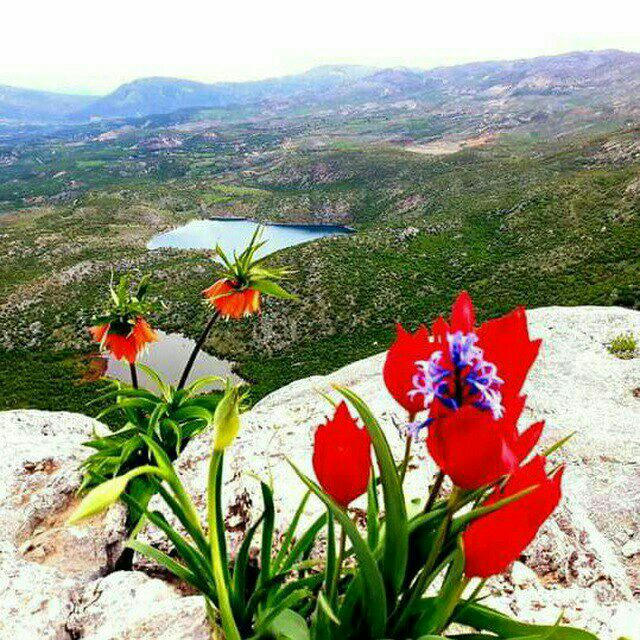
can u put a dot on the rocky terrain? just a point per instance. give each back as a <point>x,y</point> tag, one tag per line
<point>62,583</point>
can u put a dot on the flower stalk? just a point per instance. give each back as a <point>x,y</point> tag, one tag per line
<point>196,349</point>
<point>222,589</point>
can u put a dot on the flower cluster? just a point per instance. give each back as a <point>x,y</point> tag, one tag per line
<point>468,380</point>
<point>237,293</point>
<point>461,385</point>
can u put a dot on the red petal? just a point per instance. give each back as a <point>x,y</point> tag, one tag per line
<point>505,342</point>
<point>439,330</point>
<point>400,366</point>
<point>527,440</point>
<point>493,542</point>
<point>97,333</point>
<point>469,448</point>
<point>463,317</point>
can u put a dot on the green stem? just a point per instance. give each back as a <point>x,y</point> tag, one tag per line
<point>134,375</point>
<point>433,494</point>
<point>336,577</point>
<point>196,350</point>
<point>405,461</point>
<point>451,605</point>
<point>224,603</point>
<point>174,482</point>
<point>426,576</point>
<point>407,451</point>
<point>444,529</point>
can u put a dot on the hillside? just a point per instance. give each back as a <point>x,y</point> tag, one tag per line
<point>592,76</point>
<point>511,223</point>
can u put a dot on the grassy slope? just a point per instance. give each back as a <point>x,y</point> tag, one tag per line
<point>511,229</point>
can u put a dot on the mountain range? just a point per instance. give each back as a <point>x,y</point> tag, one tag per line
<point>610,76</point>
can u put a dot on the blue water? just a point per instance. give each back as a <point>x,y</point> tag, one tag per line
<point>167,357</point>
<point>233,235</point>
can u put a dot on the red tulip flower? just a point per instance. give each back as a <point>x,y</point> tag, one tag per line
<point>232,301</point>
<point>342,457</point>
<point>124,341</point>
<point>470,381</point>
<point>493,542</point>
<point>400,366</point>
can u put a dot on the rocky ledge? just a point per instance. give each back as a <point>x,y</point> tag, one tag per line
<point>62,583</point>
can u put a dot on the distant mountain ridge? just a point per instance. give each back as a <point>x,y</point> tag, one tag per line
<point>609,73</point>
<point>33,105</point>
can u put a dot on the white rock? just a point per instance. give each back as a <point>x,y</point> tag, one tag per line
<point>523,576</point>
<point>626,621</point>
<point>131,606</point>
<point>42,562</point>
<point>35,601</point>
<point>38,485</point>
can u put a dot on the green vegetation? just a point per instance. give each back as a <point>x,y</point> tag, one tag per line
<point>623,346</point>
<point>523,220</point>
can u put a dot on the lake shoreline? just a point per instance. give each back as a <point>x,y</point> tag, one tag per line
<point>309,225</point>
<point>233,234</point>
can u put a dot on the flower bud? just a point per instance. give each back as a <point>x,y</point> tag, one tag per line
<point>226,419</point>
<point>100,498</point>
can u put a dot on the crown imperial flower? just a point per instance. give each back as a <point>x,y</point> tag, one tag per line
<point>123,330</point>
<point>237,293</point>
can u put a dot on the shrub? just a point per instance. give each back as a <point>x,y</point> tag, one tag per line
<point>623,346</point>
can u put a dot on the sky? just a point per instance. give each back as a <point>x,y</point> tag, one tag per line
<point>93,47</point>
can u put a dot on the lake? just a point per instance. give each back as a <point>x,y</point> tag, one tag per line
<point>234,235</point>
<point>168,356</point>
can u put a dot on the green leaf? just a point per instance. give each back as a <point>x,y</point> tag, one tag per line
<point>437,618</point>
<point>331,563</point>
<point>291,530</point>
<point>165,390</point>
<point>271,288</point>
<point>143,286</point>
<point>396,540</point>
<point>191,413</point>
<point>270,615</point>
<point>239,584</point>
<point>177,569</point>
<point>267,534</point>
<point>483,618</point>
<point>200,383</point>
<point>373,523</point>
<point>462,521</point>
<point>289,625</point>
<point>326,608</point>
<point>304,543</point>
<point>374,600</point>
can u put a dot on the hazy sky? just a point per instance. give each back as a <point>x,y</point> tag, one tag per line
<point>92,47</point>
